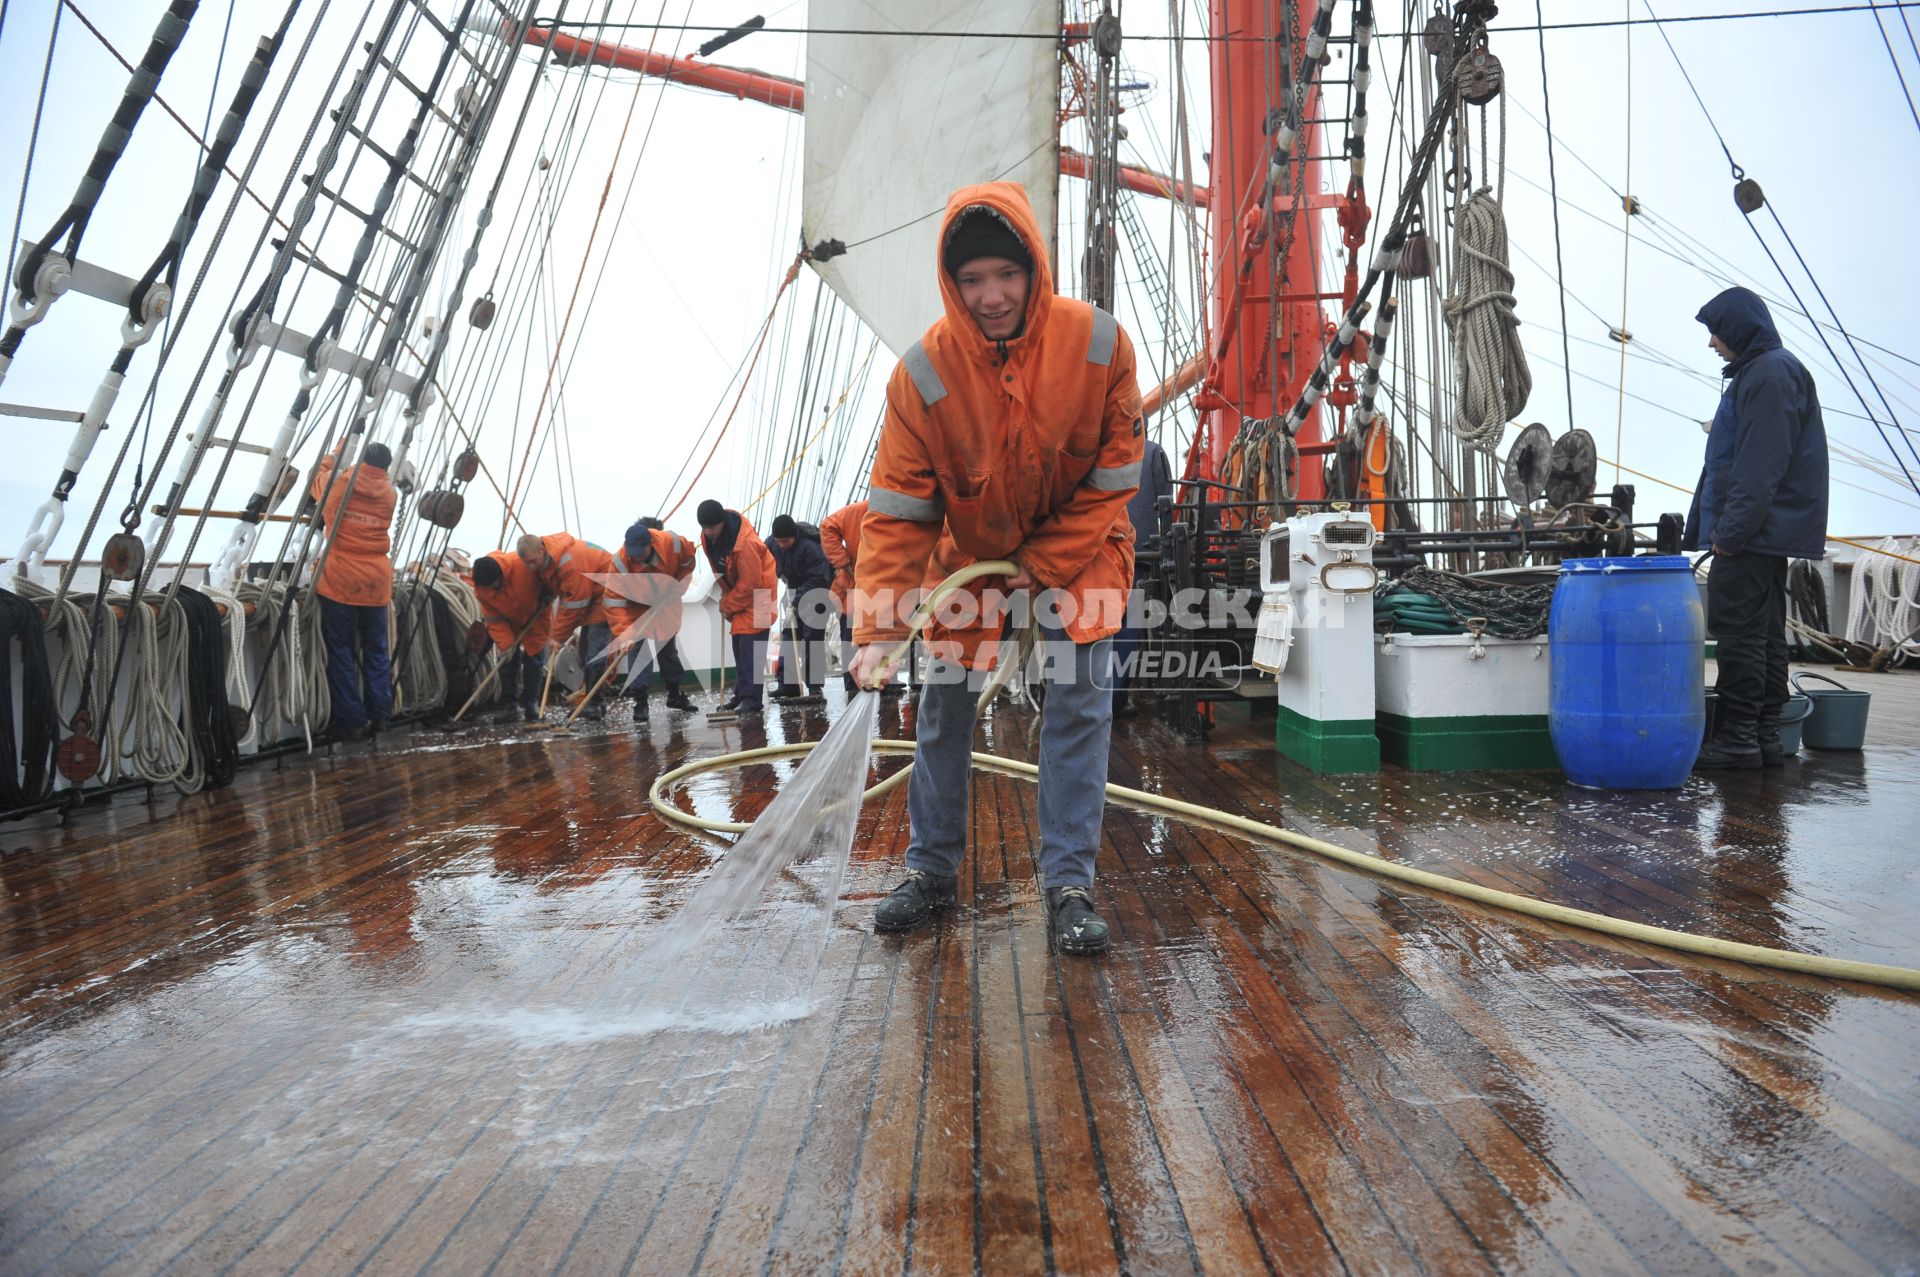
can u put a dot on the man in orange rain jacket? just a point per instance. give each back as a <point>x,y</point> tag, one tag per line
<point>840,541</point>
<point>570,571</point>
<point>355,586</point>
<point>744,567</point>
<point>1012,431</point>
<point>510,596</point>
<point>650,574</point>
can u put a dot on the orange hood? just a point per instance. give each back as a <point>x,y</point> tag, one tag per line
<point>1008,202</point>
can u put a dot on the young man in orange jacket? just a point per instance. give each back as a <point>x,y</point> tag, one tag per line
<point>744,569</point>
<point>651,570</point>
<point>355,586</point>
<point>511,599</point>
<point>1012,431</point>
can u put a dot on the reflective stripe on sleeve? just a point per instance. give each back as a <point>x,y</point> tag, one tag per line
<point>1115,478</point>
<point>1106,335</point>
<point>926,379</point>
<point>901,506</point>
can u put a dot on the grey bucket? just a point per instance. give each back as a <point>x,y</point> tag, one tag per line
<point>1839,718</point>
<point>1793,717</point>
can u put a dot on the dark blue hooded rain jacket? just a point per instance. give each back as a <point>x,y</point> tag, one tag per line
<point>1763,487</point>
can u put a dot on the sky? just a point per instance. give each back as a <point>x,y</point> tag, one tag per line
<point>671,275</point>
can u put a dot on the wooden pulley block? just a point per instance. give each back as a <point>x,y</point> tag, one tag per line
<point>289,477</point>
<point>122,557</point>
<point>1437,39</point>
<point>239,720</point>
<point>1416,256</point>
<point>466,465</point>
<point>442,508</point>
<point>478,640</point>
<point>481,313</point>
<point>1479,77</point>
<point>78,758</point>
<point>1748,195</point>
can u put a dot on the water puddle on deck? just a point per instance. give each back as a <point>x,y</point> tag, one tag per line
<point>741,954</point>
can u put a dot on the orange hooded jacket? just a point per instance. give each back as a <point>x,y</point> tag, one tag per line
<point>1024,449</point>
<point>840,541</point>
<point>517,600</point>
<point>643,599</point>
<point>747,575</point>
<point>570,578</point>
<point>358,570</point>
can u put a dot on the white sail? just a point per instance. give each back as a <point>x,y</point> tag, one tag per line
<point>895,124</point>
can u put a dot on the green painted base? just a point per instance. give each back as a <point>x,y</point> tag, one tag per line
<point>1515,742</point>
<point>1343,745</point>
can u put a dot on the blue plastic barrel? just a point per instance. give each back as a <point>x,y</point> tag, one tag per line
<point>1627,644</point>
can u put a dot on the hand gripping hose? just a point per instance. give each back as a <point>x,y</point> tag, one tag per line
<point>1680,941</point>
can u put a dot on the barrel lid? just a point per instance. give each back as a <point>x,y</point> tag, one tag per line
<point>1641,563</point>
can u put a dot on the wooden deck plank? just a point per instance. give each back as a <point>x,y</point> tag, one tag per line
<point>389,1008</point>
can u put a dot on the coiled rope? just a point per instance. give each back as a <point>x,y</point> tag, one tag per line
<point>1884,607</point>
<point>26,760</point>
<point>1491,368</point>
<point>1680,941</point>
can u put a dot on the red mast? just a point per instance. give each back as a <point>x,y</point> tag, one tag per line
<point>1267,334</point>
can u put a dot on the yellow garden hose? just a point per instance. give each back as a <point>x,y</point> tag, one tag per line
<point>1685,942</point>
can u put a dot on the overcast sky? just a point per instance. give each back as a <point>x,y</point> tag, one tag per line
<point>702,217</point>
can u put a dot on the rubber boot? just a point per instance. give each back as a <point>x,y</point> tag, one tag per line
<point>914,901</point>
<point>1071,918</point>
<point>1735,745</point>
<point>641,710</point>
<point>677,699</point>
<point>1772,753</point>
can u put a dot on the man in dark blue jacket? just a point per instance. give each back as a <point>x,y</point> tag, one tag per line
<point>809,579</point>
<point>1761,499</point>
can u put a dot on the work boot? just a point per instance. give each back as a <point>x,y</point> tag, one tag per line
<point>641,711</point>
<point>914,901</point>
<point>594,712</point>
<point>677,699</point>
<point>784,693</point>
<point>1772,753</point>
<point>529,712</point>
<point>504,714</point>
<point>1076,927</point>
<point>1735,745</point>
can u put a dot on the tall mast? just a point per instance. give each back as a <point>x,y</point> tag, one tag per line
<point>1267,334</point>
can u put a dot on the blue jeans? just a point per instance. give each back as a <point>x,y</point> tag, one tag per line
<point>339,624</point>
<point>593,650</point>
<point>749,650</point>
<point>520,678</point>
<point>1074,726</point>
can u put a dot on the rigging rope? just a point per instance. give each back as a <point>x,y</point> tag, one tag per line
<point>1494,380</point>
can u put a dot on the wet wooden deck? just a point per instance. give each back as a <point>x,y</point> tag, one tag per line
<point>388,1012</point>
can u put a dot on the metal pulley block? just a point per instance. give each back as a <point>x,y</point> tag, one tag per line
<point>1479,76</point>
<point>480,314</point>
<point>122,557</point>
<point>1437,39</point>
<point>1106,35</point>
<point>1748,195</point>
<point>466,465</point>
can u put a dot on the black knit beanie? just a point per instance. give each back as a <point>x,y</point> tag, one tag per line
<point>783,526</point>
<point>711,514</point>
<point>981,232</point>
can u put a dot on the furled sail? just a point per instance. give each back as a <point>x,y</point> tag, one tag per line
<point>896,123</point>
